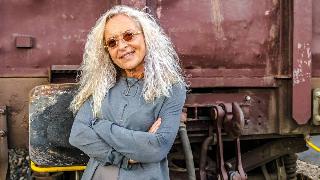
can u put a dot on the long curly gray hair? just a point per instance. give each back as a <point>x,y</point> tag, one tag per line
<point>98,73</point>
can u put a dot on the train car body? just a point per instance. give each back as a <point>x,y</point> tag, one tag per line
<point>262,56</point>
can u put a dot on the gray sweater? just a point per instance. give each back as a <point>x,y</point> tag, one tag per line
<point>122,132</point>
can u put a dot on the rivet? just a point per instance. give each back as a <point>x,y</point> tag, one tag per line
<point>3,133</point>
<point>2,111</point>
<point>247,98</point>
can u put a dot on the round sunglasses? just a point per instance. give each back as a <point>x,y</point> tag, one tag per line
<point>127,36</point>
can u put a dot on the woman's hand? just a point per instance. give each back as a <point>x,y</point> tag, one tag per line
<point>155,126</point>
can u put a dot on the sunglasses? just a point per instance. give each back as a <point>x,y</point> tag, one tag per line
<point>127,36</point>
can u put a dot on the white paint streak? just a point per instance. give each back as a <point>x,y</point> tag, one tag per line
<point>266,13</point>
<point>217,18</point>
<point>303,64</point>
<point>66,37</point>
<point>159,9</point>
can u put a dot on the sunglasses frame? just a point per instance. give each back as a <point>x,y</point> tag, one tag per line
<point>116,38</point>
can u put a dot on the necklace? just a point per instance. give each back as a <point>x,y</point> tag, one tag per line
<point>127,91</point>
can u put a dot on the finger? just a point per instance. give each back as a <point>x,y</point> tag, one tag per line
<point>155,126</point>
<point>156,123</point>
<point>152,129</point>
<point>132,161</point>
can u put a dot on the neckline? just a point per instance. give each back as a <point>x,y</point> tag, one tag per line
<point>131,86</point>
<point>131,79</point>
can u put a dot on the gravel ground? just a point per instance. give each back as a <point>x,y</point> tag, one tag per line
<point>310,170</point>
<point>19,166</point>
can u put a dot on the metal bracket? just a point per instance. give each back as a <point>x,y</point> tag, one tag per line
<point>218,113</point>
<point>3,143</point>
<point>231,117</point>
<point>301,65</point>
<point>316,99</point>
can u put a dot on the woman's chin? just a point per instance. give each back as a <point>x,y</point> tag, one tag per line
<point>131,65</point>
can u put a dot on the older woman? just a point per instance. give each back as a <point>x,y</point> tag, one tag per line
<point>130,98</point>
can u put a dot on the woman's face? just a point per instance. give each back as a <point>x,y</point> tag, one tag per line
<point>127,53</point>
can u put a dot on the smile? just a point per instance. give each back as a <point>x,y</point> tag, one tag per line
<point>126,55</point>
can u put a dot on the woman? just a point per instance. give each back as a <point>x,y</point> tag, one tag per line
<point>130,98</point>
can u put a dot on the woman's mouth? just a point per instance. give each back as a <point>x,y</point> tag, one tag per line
<point>127,55</point>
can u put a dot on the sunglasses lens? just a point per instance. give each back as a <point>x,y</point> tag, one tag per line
<point>111,43</point>
<point>127,36</point>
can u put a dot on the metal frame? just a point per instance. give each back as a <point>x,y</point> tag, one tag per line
<point>4,159</point>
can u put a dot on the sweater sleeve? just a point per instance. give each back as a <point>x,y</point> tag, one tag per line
<point>84,138</point>
<point>143,146</point>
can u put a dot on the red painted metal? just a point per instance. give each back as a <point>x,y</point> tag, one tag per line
<point>239,166</point>
<point>58,30</point>
<point>259,119</point>
<point>235,38</point>
<point>218,115</point>
<point>232,82</point>
<point>301,73</point>
<point>134,3</point>
<point>24,42</point>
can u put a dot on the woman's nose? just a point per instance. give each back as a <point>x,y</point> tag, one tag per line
<point>122,43</point>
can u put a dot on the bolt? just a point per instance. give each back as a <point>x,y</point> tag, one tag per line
<point>247,98</point>
<point>3,133</point>
<point>228,166</point>
<point>2,111</point>
<point>317,118</point>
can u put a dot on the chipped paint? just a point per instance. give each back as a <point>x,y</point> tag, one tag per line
<point>45,96</point>
<point>217,18</point>
<point>300,74</point>
<point>273,33</point>
<point>159,9</point>
<point>266,13</point>
<point>275,2</point>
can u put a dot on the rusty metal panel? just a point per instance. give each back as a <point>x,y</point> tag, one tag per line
<point>301,70</point>
<point>14,93</point>
<point>37,34</point>
<point>4,159</point>
<point>50,122</point>
<point>232,82</point>
<point>134,3</point>
<point>269,151</point>
<point>256,105</point>
<point>227,37</point>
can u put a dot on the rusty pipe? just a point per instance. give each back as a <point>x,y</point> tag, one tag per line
<point>187,151</point>
<point>203,157</point>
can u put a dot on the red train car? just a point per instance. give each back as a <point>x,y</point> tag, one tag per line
<point>254,61</point>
